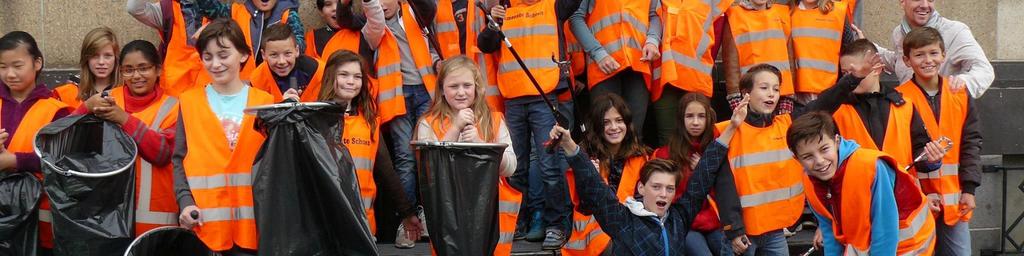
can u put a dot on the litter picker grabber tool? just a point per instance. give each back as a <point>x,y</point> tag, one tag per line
<point>425,27</point>
<point>559,118</point>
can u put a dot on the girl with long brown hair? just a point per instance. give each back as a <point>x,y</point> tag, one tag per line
<point>99,68</point>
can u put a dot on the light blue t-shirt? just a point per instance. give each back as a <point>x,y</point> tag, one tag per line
<point>229,110</point>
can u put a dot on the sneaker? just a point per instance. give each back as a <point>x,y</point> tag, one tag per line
<point>423,219</point>
<point>536,233</point>
<point>402,240</point>
<point>519,235</point>
<point>554,239</point>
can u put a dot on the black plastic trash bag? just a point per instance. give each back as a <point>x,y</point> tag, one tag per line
<point>89,174</point>
<point>304,186</point>
<point>168,241</point>
<point>19,200</point>
<point>459,188</point>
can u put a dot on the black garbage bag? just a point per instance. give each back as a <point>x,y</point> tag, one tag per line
<point>19,200</point>
<point>89,175</point>
<point>459,188</point>
<point>305,189</point>
<point>168,241</point>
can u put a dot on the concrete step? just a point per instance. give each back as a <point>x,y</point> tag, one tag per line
<point>798,244</point>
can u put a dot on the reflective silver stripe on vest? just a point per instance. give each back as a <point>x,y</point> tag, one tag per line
<point>582,244</point>
<point>687,61</point>
<point>617,45</point>
<point>444,27</point>
<point>45,216</point>
<point>818,64</point>
<point>510,207</point>
<point>853,251</point>
<point>816,33</point>
<point>386,95</point>
<point>772,195</point>
<point>220,181</point>
<point>228,213</point>
<point>492,91</point>
<point>362,163</point>
<point>946,170</point>
<point>161,114</point>
<point>915,225</point>
<point>532,63</point>
<point>389,70</point>
<point>750,37</point>
<point>951,199</point>
<point>781,65</point>
<point>505,237</point>
<point>761,158</point>
<point>367,202</point>
<point>142,212</point>
<point>615,18</point>
<point>579,225</point>
<point>540,30</point>
<point>425,71</point>
<point>705,40</point>
<point>924,247</point>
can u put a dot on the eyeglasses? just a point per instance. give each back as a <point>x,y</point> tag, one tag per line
<point>142,70</point>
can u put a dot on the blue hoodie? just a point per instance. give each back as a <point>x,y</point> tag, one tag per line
<point>884,215</point>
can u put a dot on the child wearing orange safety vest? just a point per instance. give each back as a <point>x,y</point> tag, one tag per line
<point>616,151</point>
<point>880,117</point>
<point>345,29</point>
<point>864,203</point>
<point>254,17</point>
<point>285,67</point>
<point>820,29</point>
<point>950,114</point>
<point>25,107</point>
<point>622,40</point>
<point>766,194</point>
<point>695,132</point>
<point>178,23</point>
<point>460,114</point>
<point>215,146</point>
<point>688,52</point>
<point>532,26</point>
<point>98,61</point>
<point>409,78</point>
<point>149,115</point>
<point>757,32</point>
<point>345,82</point>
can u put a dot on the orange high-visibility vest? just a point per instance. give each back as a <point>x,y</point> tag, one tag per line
<point>509,198</point>
<point>418,46</point>
<point>182,68</point>
<point>242,16</point>
<point>221,178</point>
<point>851,7</point>
<point>686,59</point>
<point>362,142</point>
<point>587,237</point>
<point>67,93</point>
<point>155,201</point>
<point>387,85</point>
<point>447,32</point>
<point>311,45</point>
<point>768,178</point>
<point>263,78</point>
<point>536,27</point>
<point>897,142</point>
<point>916,231</point>
<point>817,38</point>
<point>762,37</point>
<point>39,115</point>
<point>953,113</point>
<point>621,28</point>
